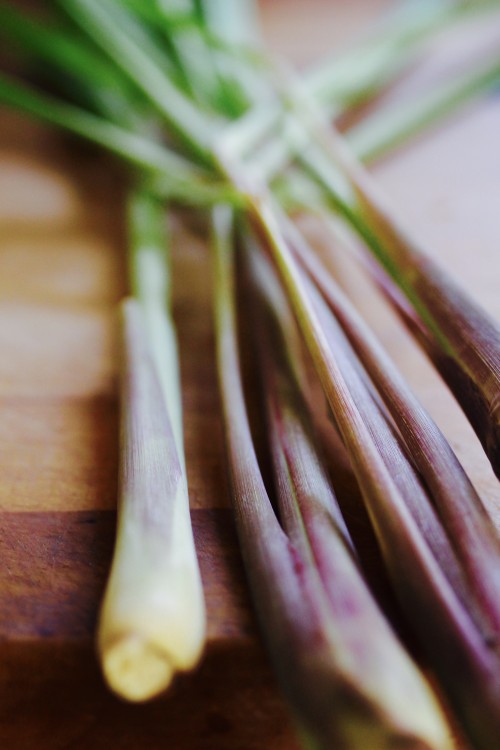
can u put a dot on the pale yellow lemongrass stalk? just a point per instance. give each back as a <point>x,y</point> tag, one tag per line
<point>152,621</point>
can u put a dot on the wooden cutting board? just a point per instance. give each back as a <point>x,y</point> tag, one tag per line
<point>61,275</point>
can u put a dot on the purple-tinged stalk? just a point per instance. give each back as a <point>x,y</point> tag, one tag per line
<point>336,692</point>
<point>152,617</point>
<point>461,511</point>
<point>450,371</point>
<point>369,658</point>
<point>463,332</point>
<point>388,444</point>
<point>463,661</point>
<point>277,341</point>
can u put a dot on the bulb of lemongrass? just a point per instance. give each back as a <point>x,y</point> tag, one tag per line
<point>152,621</point>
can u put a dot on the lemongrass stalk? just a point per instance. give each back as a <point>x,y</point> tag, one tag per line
<point>463,332</point>
<point>459,654</point>
<point>452,374</point>
<point>399,460</point>
<point>374,666</point>
<point>151,285</point>
<point>151,622</point>
<point>389,446</point>
<point>277,341</point>
<point>335,701</point>
<point>470,530</point>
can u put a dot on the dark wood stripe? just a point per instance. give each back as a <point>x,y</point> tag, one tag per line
<point>54,566</point>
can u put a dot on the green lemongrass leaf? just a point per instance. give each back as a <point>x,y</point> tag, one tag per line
<point>70,56</point>
<point>218,75</point>
<point>196,60</point>
<point>60,46</point>
<point>378,59</point>
<point>417,578</point>
<point>273,140</point>
<point>149,13</point>
<point>385,130</point>
<point>205,193</point>
<point>142,35</point>
<point>178,15</point>
<point>108,23</point>
<point>152,618</point>
<point>462,513</point>
<point>168,25</point>
<point>296,617</point>
<point>163,170</point>
<point>240,69</point>
<point>351,78</point>
<point>188,50</point>
<point>221,27</point>
<point>380,132</point>
<point>138,150</point>
<point>219,78</point>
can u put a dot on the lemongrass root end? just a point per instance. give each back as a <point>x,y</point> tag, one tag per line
<point>137,669</point>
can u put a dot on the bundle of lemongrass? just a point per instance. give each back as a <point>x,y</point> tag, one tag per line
<point>182,93</point>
